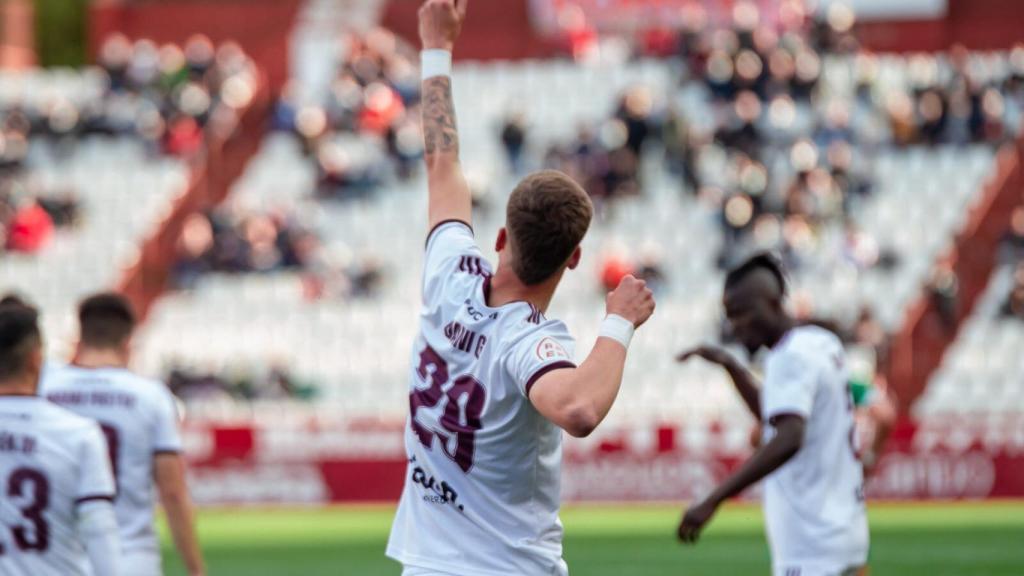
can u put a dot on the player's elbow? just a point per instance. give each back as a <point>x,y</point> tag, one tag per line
<point>580,421</point>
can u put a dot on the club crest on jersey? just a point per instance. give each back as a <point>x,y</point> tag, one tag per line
<point>549,349</point>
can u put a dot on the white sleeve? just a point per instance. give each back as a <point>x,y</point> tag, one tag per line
<point>789,386</point>
<point>548,348</point>
<point>166,437</point>
<point>96,479</point>
<point>451,248</point>
<point>97,529</point>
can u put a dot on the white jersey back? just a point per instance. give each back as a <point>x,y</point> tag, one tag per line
<point>50,462</point>
<point>483,487</point>
<point>814,504</point>
<point>138,418</point>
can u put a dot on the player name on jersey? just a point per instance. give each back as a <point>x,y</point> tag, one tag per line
<point>17,443</point>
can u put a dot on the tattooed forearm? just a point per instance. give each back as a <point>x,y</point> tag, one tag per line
<point>440,134</point>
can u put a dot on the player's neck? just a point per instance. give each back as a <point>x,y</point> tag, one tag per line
<point>23,386</point>
<point>507,288</point>
<point>784,327</point>
<point>94,358</point>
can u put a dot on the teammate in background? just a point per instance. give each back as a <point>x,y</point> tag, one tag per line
<point>56,511</point>
<point>813,494</point>
<point>139,420</point>
<point>493,382</point>
<point>875,417</point>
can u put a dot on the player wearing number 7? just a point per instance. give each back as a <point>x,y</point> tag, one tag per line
<point>138,418</point>
<point>56,486</point>
<point>813,494</point>
<point>493,382</point>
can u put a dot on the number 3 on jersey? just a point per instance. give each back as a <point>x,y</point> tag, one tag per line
<point>31,484</point>
<point>460,408</point>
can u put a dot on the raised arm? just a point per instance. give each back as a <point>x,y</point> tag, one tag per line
<point>450,197</point>
<point>578,399</point>
<point>742,379</point>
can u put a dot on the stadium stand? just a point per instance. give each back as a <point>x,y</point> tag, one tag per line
<point>894,192</point>
<point>122,138</point>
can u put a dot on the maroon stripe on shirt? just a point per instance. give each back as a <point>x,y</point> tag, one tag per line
<point>442,223</point>
<point>93,498</point>
<point>544,370</point>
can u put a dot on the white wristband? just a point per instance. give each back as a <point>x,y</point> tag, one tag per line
<point>617,328</point>
<point>435,63</point>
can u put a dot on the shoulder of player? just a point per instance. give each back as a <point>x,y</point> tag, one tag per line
<point>62,419</point>
<point>525,328</point>
<point>806,344</point>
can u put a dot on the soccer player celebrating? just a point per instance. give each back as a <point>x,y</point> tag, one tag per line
<point>138,418</point>
<point>56,515</point>
<point>813,495</point>
<point>493,382</point>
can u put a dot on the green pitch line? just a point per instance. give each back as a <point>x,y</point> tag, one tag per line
<point>907,540</point>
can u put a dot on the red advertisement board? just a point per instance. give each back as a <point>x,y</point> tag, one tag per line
<point>314,463</point>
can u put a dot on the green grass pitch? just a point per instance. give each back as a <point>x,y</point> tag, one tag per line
<point>907,540</point>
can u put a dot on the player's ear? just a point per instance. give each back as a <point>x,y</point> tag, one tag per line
<point>502,240</point>
<point>574,260</point>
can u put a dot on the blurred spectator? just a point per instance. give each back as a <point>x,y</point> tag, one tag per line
<point>944,290</point>
<point>614,267</point>
<point>513,140</point>
<point>651,267</point>
<point>1014,306</point>
<point>29,229</point>
<point>1012,248</point>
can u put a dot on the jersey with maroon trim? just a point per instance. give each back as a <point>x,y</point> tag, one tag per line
<point>814,504</point>
<point>138,418</point>
<point>482,489</point>
<point>51,460</point>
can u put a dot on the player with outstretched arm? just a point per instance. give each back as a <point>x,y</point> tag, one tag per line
<point>493,383</point>
<point>813,495</point>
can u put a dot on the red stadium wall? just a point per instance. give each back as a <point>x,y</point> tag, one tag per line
<point>316,462</point>
<point>503,30</point>
<point>262,27</point>
<point>917,350</point>
<point>212,173</point>
<point>495,30</point>
<point>977,24</point>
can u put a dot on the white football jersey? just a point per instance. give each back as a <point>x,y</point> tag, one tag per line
<point>139,419</point>
<point>51,460</point>
<point>482,490</point>
<point>814,504</point>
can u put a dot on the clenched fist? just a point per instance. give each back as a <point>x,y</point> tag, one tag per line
<point>441,22</point>
<point>632,300</point>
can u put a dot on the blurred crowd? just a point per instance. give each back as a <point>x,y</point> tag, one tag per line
<point>366,129</point>
<point>1012,254</point>
<point>195,385</point>
<point>170,95</point>
<point>236,240</point>
<point>167,96</point>
<point>798,114</point>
